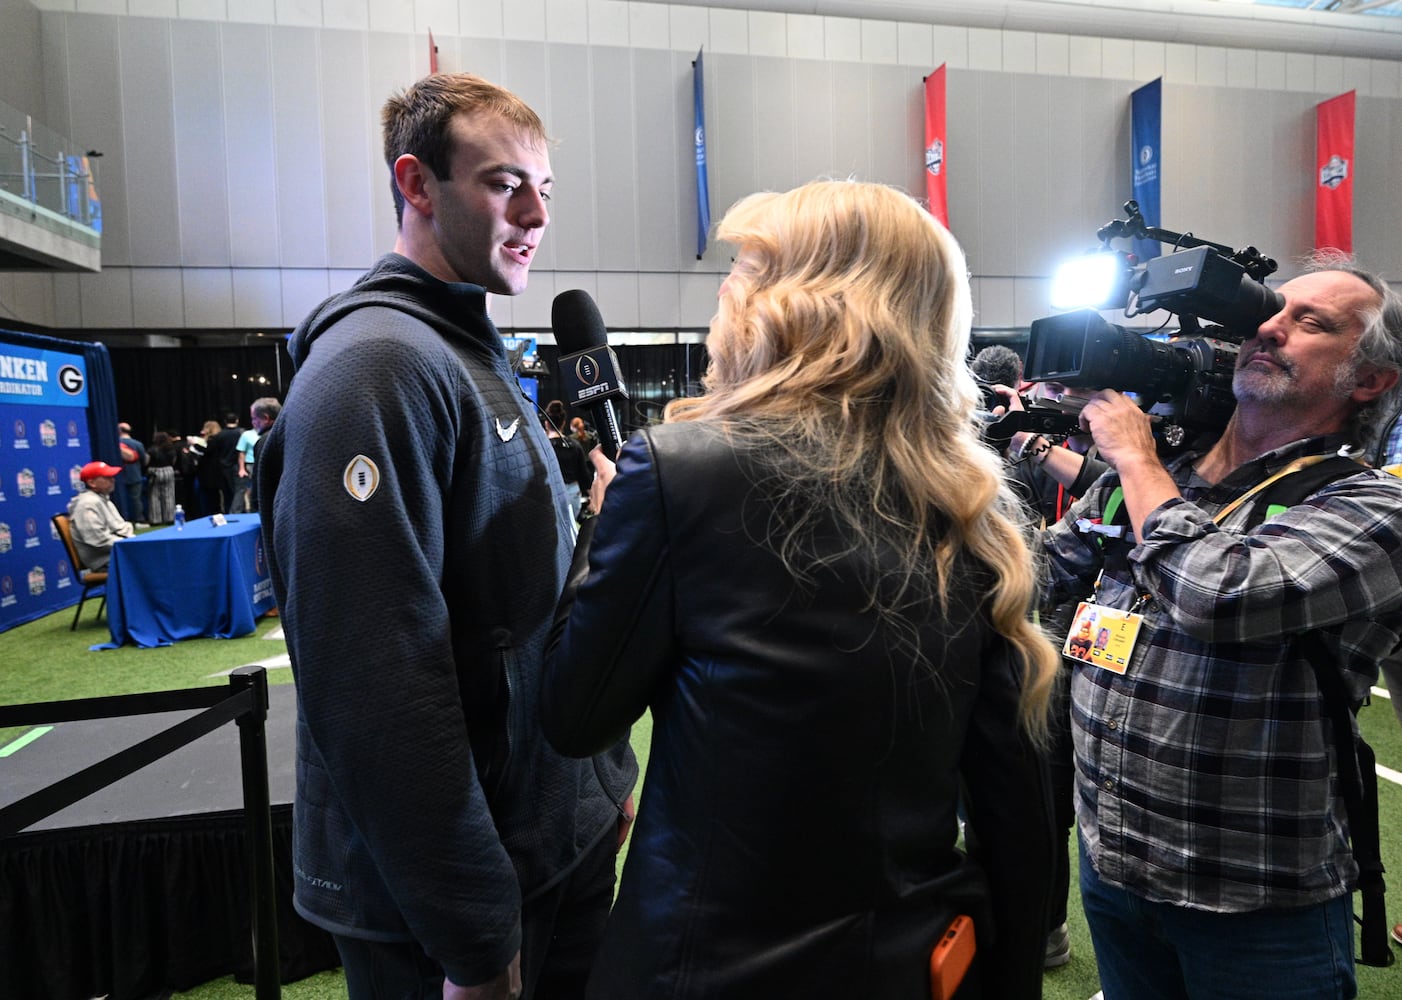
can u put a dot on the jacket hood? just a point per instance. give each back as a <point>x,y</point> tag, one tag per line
<point>395,282</point>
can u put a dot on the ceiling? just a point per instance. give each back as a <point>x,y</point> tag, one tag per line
<point>1362,28</point>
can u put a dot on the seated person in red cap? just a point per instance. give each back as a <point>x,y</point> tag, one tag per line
<point>96,523</point>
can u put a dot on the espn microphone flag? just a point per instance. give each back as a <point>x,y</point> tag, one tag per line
<point>1333,174</point>
<point>703,188</point>
<point>1146,118</point>
<point>936,188</point>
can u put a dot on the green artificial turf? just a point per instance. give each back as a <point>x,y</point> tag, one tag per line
<point>44,661</point>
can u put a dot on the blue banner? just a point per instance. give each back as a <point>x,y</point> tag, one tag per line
<point>1146,117</point>
<point>42,448</point>
<point>703,191</point>
<point>42,378</point>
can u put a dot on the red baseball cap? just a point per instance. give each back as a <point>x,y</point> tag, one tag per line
<point>94,469</point>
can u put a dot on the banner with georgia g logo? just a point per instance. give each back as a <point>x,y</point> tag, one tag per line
<point>936,188</point>
<point>1333,174</point>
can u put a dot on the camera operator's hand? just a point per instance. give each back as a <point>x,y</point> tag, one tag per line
<point>1124,435</point>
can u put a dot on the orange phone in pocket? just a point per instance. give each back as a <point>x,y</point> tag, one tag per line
<point>951,957</point>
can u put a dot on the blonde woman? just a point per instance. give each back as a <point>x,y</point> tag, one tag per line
<point>814,576</point>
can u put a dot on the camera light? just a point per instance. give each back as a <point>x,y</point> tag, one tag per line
<point>1089,282</point>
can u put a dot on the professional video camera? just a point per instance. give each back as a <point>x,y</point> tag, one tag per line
<point>1185,380</point>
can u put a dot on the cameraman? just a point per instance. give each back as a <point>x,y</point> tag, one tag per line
<point>1213,859</point>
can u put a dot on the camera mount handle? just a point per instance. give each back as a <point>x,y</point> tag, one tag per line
<point>1252,260</point>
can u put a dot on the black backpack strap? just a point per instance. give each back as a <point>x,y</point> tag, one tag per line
<point>1358,783</point>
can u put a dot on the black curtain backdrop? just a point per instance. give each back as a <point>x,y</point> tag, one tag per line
<point>177,389</point>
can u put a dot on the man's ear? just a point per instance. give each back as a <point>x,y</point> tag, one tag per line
<point>414,181</point>
<point>1371,383</point>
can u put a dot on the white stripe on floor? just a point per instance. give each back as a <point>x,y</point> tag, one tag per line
<point>271,663</point>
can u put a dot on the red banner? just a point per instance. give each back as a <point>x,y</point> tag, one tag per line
<point>432,54</point>
<point>1333,174</point>
<point>935,164</point>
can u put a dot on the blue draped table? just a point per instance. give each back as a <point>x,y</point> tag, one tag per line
<point>207,580</point>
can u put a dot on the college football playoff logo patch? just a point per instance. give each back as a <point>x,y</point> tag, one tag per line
<point>362,478</point>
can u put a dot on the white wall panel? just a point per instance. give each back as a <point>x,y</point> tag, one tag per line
<point>768,34</point>
<point>398,15</point>
<point>729,32</point>
<point>951,47</point>
<point>617,296</point>
<point>68,311</point>
<point>608,22</point>
<point>842,39</point>
<point>1085,56</point>
<point>852,127</point>
<point>351,14</point>
<point>880,42</point>
<point>1019,52</point>
<point>697,299</point>
<point>476,18</point>
<point>253,11</point>
<point>1328,75</point>
<point>389,70</point>
<point>1117,59</point>
<point>730,131</point>
<point>805,36</point>
<point>298,13</point>
<point>1377,189</point>
<point>916,45</point>
<point>523,20</point>
<point>302,290</point>
<point>441,16</point>
<point>209,297</point>
<point>659,300</point>
<point>589,119</point>
<point>298,151</point>
<point>661,129</point>
<point>1211,66</point>
<point>1180,63</point>
<point>208,10</point>
<point>1053,54</point>
<point>1387,78</point>
<point>350,145</point>
<point>567,21</point>
<point>894,159</point>
<point>98,104</point>
<point>153,8</point>
<point>985,49</point>
<point>648,24</point>
<point>149,141</point>
<point>105,298</point>
<point>774,132</point>
<point>248,123</point>
<point>814,135</point>
<point>257,294</point>
<point>1241,68</point>
<point>201,159</point>
<point>157,298</point>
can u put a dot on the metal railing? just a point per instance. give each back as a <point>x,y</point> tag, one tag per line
<point>44,168</point>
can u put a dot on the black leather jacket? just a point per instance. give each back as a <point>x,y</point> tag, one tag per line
<point>796,836</point>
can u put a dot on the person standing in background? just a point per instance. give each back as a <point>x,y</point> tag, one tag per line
<point>224,447</point>
<point>263,413</point>
<point>131,484</point>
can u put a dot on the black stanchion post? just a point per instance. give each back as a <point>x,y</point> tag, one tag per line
<point>258,817</point>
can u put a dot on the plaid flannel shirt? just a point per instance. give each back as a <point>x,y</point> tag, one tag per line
<point>1205,773</point>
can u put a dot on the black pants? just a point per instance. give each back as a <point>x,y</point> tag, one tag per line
<point>561,931</point>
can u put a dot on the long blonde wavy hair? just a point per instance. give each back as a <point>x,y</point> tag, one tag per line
<point>839,346</point>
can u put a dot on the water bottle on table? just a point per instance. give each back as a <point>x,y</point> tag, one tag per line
<point>179,518</point>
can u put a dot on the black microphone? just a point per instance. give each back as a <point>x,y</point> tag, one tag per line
<point>588,367</point>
